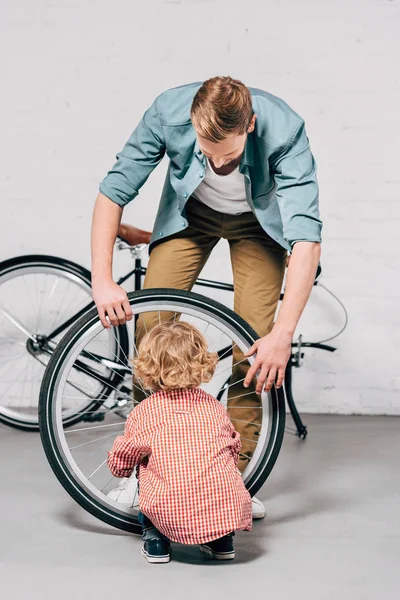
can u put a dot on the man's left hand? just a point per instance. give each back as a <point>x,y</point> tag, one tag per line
<point>273,353</point>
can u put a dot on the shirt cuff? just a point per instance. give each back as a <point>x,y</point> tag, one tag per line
<point>121,197</point>
<point>303,229</point>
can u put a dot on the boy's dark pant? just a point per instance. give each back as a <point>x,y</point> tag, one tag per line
<point>151,533</point>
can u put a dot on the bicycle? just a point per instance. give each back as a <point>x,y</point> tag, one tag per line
<point>78,455</point>
<point>105,366</point>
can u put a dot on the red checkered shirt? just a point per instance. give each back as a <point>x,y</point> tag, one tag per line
<point>187,450</point>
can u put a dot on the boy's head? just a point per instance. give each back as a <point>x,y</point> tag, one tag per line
<point>174,355</point>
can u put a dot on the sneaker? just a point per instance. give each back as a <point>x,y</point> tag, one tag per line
<point>221,549</point>
<point>157,551</point>
<point>126,492</point>
<point>257,508</point>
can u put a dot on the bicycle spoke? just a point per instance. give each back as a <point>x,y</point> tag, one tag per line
<point>17,324</point>
<point>226,387</point>
<point>145,392</point>
<point>31,303</point>
<point>249,440</point>
<point>217,342</point>
<point>247,422</point>
<point>230,349</point>
<point>88,370</point>
<point>103,437</point>
<point>14,381</point>
<point>68,309</point>
<point>68,431</point>
<point>93,453</point>
<point>241,407</point>
<point>231,367</point>
<point>108,483</point>
<point>98,468</point>
<point>42,295</point>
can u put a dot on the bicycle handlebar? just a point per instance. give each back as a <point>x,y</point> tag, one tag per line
<point>315,345</point>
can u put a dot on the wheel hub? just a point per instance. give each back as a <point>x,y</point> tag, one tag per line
<point>38,345</point>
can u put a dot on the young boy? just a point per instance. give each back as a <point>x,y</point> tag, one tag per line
<point>186,449</point>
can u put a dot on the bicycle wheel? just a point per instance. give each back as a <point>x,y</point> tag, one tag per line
<point>40,297</point>
<point>78,455</point>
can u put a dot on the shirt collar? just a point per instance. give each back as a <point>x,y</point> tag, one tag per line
<point>248,154</point>
<point>197,150</point>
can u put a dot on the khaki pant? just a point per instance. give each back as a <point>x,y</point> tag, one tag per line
<point>258,264</point>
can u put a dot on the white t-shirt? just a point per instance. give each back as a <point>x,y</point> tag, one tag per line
<point>224,193</point>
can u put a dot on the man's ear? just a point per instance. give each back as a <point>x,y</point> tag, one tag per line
<point>252,123</point>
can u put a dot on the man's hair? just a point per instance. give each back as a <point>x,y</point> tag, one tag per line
<point>174,355</point>
<point>220,107</point>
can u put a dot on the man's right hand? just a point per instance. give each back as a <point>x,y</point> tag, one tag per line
<point>111,300</point>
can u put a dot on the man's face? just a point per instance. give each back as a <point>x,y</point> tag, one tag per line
<point>228,150</point>
<point>225,152</point>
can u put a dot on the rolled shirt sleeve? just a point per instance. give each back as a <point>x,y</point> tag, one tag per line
<point>236,446</point>
<point>297,190</point>
<point>129,449</point>
<point>140,155</point>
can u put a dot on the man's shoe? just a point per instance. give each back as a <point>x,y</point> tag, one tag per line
<point>157,551</point>
<point>257,508</point>
<point>221,549</point>
<point>126,492</point>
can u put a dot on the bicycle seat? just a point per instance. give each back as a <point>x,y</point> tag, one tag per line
<point>318,273</point>
<point>132,235</point>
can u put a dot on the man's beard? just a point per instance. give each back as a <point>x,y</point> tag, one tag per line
<point>232,160</point>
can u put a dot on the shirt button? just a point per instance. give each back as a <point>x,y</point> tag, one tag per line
<point>201,174</point>
<point>185,195</point>
<point>160,233</point>
<point>183,223</point>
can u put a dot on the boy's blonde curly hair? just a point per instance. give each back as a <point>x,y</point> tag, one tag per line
<point>174,355</point>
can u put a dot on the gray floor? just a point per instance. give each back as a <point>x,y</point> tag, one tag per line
<point>332,530</point>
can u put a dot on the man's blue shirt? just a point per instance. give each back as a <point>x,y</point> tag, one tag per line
<point>279,168</point>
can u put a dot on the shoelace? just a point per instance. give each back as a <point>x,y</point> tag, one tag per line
<point>122,487</point>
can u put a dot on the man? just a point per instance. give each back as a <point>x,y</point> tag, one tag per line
<point>241,169</point>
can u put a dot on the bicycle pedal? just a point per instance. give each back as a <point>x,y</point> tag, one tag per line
<point>93,417</point>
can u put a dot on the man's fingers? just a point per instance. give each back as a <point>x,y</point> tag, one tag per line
<point>111,315</point>
<point>260,380</point>
<point>281,377</point>
<point>250,373</point>
<point>127,309</point>
<point>271,379</point>
<point>120,314</point>
<point>102,315</point>
<point>253,348</point>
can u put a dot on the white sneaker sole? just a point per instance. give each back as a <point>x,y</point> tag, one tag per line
<point>156,559</point>
<point>258,516</point>
<point>257,512</point>
<point>218,555</point>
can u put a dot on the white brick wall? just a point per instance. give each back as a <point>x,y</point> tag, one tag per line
<point>77,76</point>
